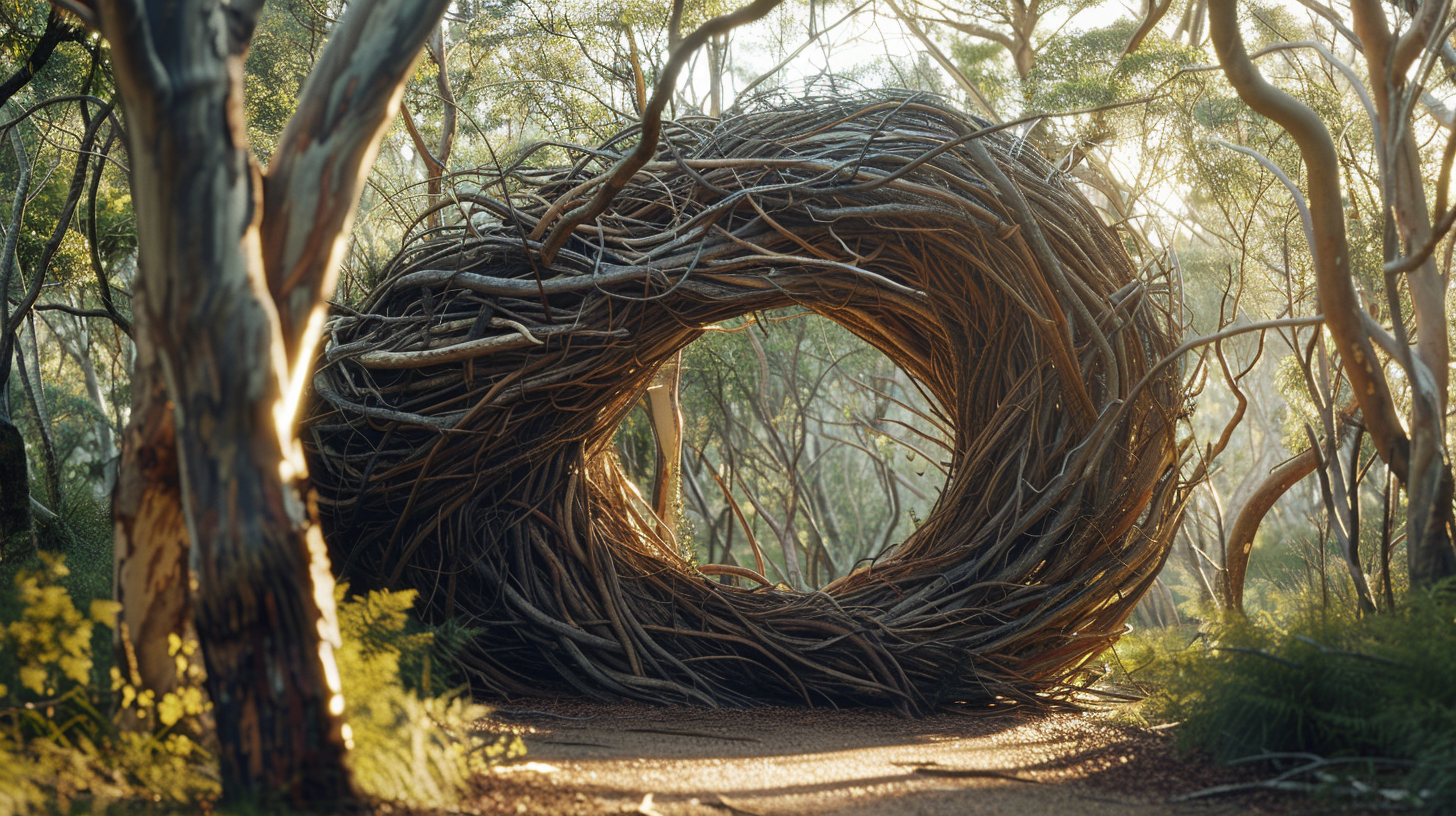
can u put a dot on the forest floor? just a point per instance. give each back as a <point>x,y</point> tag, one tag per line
<point>584,758</point>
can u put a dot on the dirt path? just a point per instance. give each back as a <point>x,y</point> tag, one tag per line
<point>589,759</point>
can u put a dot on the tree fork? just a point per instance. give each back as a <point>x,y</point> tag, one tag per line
<point>231,291</point>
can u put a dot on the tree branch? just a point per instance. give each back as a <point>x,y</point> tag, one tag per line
<point>56,32</point>
<point>53,244</point>
<point>949,67</point>
<point>311,193</point>
<point>743,94</point>
<point>1150,21</point>
<point>651,127</point>
<point>1336,290</point>
<point>979,31</point>
<point>7,254</point>
<point>103,280</point>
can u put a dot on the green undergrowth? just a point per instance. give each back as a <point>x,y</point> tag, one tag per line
<point>77,735</point>
<point>1366,703</point>
<point>413,743</point>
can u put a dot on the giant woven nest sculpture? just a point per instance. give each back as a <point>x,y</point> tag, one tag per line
<point>461,432</point>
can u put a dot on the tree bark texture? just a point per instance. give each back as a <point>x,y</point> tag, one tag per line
<point>230,295</point>
<point>150,538</point>
<point>1408,224</point>
<point>203,314</point>
<point>35,395</point>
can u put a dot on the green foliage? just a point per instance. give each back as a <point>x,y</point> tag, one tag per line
<point>289,37</point>
<point>57,743</point>
<point>408,748</point>
<point>157,745</point>
<point>51,643</point>
<point>804,423</point>
<point>978,61</point>
<point>1315,681</point>
<point>50,187</point>
<point>83,532</point>
<point>65,737</point>
<point>1087,68</point>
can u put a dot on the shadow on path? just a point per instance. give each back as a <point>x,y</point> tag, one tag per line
<point>585,759</point>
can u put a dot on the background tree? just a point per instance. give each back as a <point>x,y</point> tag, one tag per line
<point>1418,458</point>
<point>806,451</point>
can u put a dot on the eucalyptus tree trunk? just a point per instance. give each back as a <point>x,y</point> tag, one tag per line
<point>202,313</point>
<point>664,412</point>
<point>151,572</point>
<point>14,464</point>
<point>1408,227</point>
<point>74,336</point>
<point>80,350</point>
<point>35,395</point>
<point>1413,446</point>
<point>233,274</point>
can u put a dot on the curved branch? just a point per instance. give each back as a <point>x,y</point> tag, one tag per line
<point>1416,38</point>
<point>1150,21</point>
<point>1251,516</point>
<point>312,189</point>
<point>743,94</point>
<point>53,244</point>
<point>949,67</point>
<point>103,280</point>
<point>57,31</point>
<point>1338,300</point>
<point>1284,179</point>
<point>651,126</point>
<point>1177,354</point>
<point>974,30</point>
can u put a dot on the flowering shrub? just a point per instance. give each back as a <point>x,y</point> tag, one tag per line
<point>66,735</point>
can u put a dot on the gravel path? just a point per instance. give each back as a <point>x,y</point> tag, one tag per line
<point>592,759</point>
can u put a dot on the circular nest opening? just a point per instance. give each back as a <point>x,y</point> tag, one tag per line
<point>461,429</point>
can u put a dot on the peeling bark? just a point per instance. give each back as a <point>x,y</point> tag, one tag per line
<point>151,544</point>
<point>230,295</point>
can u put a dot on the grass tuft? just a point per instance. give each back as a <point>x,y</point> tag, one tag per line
<point>1315,681</point>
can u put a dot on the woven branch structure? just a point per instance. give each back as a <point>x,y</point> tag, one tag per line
<point>461,430</point>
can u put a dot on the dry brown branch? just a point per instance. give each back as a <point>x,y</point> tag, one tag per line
<point>619,177</point>
<point>489,482</point>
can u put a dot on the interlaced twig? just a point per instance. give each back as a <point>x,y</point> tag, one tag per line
<point>462,432</point>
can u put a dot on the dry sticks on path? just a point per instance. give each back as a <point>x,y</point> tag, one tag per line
<point>461,433</point>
